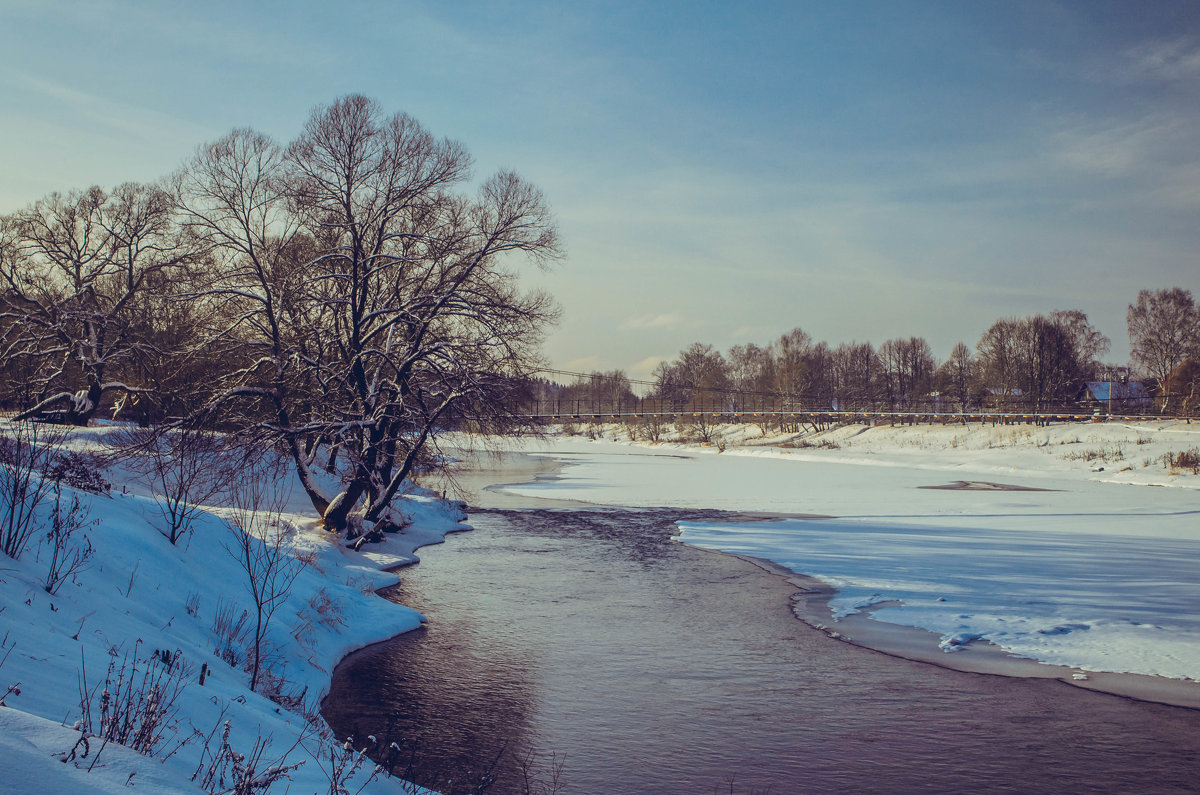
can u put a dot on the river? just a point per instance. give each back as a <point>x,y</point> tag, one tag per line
<point>587,638</point>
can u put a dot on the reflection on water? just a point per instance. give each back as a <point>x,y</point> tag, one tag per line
<point>654,667</point>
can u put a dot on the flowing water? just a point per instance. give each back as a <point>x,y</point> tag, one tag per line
<point>643,665</point>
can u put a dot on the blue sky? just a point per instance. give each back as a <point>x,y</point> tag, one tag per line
<point>721,172</point>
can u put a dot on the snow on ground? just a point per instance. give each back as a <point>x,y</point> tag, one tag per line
<point>142,596</point>
<point>1088,566</point>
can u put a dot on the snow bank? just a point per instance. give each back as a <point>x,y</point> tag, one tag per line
<point>142,597</point>
<point>1102,602</point>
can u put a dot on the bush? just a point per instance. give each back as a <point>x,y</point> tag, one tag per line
<point>136,705</point>
<point>68,556</point>
<point>24,455</point>
<point>80,471</point>
<point>1187,460</point>
<point>809,444</point>
<point>229,772</point>
<point>231,631</point>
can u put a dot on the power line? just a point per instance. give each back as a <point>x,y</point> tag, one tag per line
<point>656,384</point>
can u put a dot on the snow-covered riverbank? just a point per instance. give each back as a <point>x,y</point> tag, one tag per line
<point>1085,565</point>
<point>156,610</point>
<point>1080,562</point>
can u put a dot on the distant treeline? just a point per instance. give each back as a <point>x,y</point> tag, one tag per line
<point>1037,363</point>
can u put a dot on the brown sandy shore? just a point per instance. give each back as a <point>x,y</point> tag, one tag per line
<point>485,475</point>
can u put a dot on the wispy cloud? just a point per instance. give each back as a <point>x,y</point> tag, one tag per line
<point>1157,60</point>
<point>1154,156</point>
<point>586,364</point>
<point>1109,150</point>
<point>1163,60</point>
<point>652,321</point>
<point>97,111</point>
<point>644,370</point>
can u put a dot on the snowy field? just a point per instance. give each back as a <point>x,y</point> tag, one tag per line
<point>1093,562</point>
<point>141,597</point>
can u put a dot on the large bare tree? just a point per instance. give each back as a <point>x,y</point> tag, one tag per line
<point>1090,344</point>
<point>378,301</point>
<point>1164,327</point>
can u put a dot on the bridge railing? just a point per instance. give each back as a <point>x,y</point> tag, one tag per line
<point>923,417</point>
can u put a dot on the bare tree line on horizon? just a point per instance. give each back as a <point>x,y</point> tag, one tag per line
<point>1035,364</point>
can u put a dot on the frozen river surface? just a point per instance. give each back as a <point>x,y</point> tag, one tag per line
<point>1061,566</point>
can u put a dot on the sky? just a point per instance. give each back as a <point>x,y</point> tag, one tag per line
<point>720,172</point>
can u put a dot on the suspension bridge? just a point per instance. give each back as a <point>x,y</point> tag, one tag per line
<point>820,418</point>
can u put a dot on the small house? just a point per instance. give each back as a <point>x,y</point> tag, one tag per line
<point>1116,396</point>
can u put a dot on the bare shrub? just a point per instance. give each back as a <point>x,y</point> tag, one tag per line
<point>343,762</point>
<point>15,688</point>
<point>1105,453</point>
<point>654,427</point>
<point>135,706</point>
<point>231,631</point>
<point>325,611</point>
<point>185,467</point>
<point>68,556</point>
<point>261,542</point>
<point>80,471</point>
<point>809,444</point>
<point>25,453</point>
<point>348,767</point>
<point>1183,460</point>
<point>229,772</point>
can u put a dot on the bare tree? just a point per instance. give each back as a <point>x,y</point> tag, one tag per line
<point>956,377</point>
<point>999,361</point>
<point>1183,386</point>
<point>1090,345</point>
<point>1164,327</point>
<point>1050,366</point>
<point>76,264</point>
<point>908,368</point>
<point>26,452</point>
<point>857,373</point>
<point>752,373</point>
<point>378,303</point>
<point>669,390</point>
<point>185,467</point>
<point>820,378</point>
<point>1036,360</point>
<point>790,352</point>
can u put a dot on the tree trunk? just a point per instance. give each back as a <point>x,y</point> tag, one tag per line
<point>338,511</point>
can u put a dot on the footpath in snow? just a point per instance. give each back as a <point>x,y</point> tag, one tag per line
<point>1077,545</point>
<point>145,621</point>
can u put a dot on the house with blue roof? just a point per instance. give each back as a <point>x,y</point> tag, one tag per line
<point>1116,395</point>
